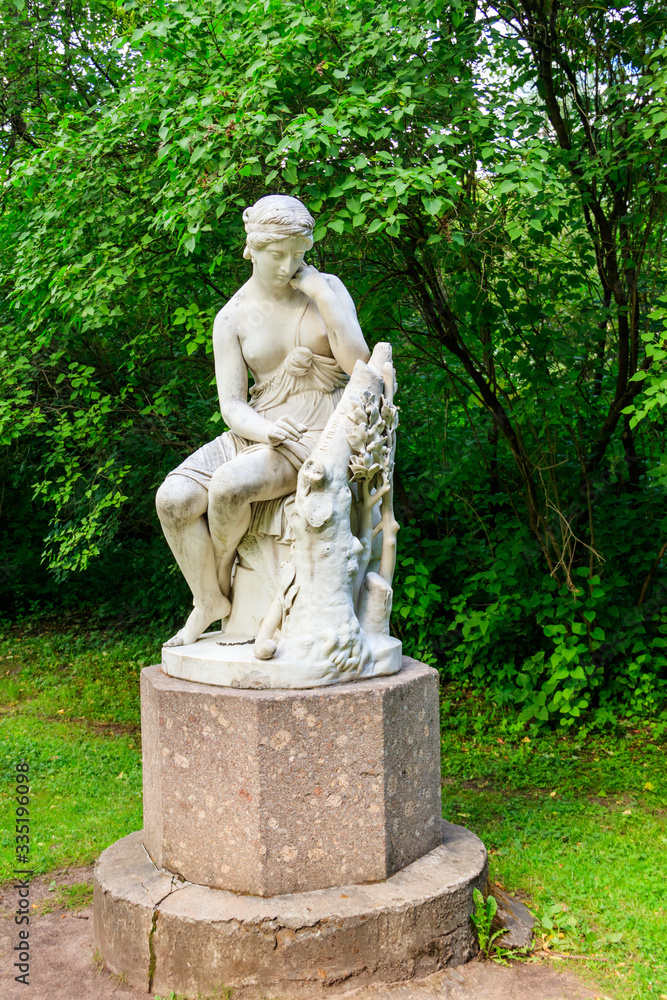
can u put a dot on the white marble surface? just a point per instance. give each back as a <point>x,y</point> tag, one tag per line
<point>283,526</point>
<point>236,666</point>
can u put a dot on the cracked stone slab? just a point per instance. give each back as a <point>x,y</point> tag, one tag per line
<point>133,889</point>
<point>65,969</point>
<point>296,945</point>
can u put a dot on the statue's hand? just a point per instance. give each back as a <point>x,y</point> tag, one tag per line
<point>309,281</point>
<point>285,429</point>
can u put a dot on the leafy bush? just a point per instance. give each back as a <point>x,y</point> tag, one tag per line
<point>485,612</point>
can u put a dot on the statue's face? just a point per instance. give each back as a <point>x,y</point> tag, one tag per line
<point>277,262</point>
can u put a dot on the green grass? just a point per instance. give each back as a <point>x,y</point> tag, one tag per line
<point>577,828</point>
<point>69,704</point>
<point>86,790</point>
<point>75,897</point>
<point>574,824</point>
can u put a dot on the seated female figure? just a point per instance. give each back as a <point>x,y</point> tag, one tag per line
<point>296,331</point>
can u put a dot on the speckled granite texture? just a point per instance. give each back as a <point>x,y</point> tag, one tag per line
<point>269,792</point>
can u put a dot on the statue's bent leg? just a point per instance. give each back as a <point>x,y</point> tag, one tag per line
<point>260,474</point>
<point>181,505</point>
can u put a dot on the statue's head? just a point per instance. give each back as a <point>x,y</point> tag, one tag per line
<point>274,218</point>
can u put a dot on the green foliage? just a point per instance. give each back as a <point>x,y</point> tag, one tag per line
<point>482,917</point>
<point>489,183</point>
<point>493,620</point>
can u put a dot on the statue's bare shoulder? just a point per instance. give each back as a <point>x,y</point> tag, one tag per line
<point>334,282</point>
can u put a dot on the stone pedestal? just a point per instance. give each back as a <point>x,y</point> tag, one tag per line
<point>165,935</point>
<point>267,792</point>
<point>292,841</point>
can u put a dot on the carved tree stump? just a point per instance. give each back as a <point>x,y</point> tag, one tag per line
<point>321,625</point>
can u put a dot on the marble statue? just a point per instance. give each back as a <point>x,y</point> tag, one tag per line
<point>283,525</point>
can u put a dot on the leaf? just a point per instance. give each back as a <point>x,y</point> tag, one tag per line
<point>432,205</point>
<point>198,153</point>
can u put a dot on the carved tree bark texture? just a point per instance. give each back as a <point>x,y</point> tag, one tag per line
<point>321,625</point>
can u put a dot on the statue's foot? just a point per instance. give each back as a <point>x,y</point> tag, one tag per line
<point>199,620</point>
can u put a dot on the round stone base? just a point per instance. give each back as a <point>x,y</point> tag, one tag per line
<point>164,934</point>
<point>229,660</point>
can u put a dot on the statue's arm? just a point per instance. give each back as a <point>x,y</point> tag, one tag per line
<point>339,314</point>
<point>231,375</point>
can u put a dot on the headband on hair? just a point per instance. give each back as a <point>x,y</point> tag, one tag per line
<point>274,218</point>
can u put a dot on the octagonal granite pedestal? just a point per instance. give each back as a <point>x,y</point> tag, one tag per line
<point>292,842</point>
